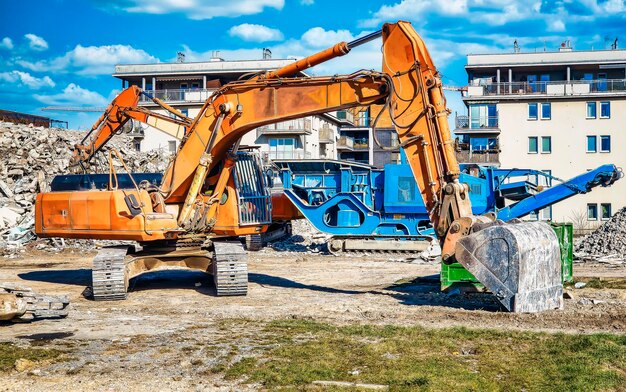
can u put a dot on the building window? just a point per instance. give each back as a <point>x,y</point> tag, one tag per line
<point>546,110</point>
<point>547,180</point>
<point>483,143</point>
<point>532,145</point>
<point>605,209</point>
<point>592,143</point>
<point>605,109</point>
<point>532,111</point>
<point>282,148</point>
<point>592,212</point>
<point>483,116</point>
<point>171,146</point>
<point>546,213</point>
<point>137,146</point>
<point>591,110</point>
<point>605,143</point>
<point>185,111</point>
<point>543,214</point>
<point>546,144</point>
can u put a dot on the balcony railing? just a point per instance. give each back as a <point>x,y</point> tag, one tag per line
<point>345,116</point>
<point>179,95</point>
<point>482,122</point>
<point>327,135</point>
<point>276,155</point>
<point>480,156</point>
<point>345,142</point>
<point>552,88</point>
<point>301,126</point>
<point>361,144</point>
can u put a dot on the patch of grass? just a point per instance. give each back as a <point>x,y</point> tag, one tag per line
<point>9,353</point>
<point>416,358</point>
<point>602,283</point>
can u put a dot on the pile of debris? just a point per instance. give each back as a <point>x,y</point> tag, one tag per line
<point>304,238</point>
<point>31,156</point>
<point>607,243</point>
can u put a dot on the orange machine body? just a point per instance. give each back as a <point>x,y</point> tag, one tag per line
<point>89,214</point>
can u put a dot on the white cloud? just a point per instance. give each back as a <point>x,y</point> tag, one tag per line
<point>413,9</point>
<point>318,37</point>
<point>91,60</point>
<point>556,25</point>
<point>26,79</point>
<point>255,33</point>
<point>6,43</point>
<point>73,94</point>
<point>307,2</point>
<point>202,9</point>
<point>35,42</point>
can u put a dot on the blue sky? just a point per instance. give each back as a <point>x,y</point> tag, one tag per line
<point>62,52</point>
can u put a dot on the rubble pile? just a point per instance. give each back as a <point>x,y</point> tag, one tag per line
<point>608,242</point>
<point>304,238</point>
<point>31,156</point>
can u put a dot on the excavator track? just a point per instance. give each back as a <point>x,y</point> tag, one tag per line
<point>379,245</point>
<point>109,274</point>
<point>230,269</point>
<point>32,306</point>
<point>254,242</point>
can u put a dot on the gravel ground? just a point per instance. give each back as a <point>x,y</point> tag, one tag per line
<point>144,343</point>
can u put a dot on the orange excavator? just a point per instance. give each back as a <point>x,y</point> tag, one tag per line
<point>210,193</point>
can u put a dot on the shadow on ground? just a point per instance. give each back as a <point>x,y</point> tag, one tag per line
<point>421,291</point>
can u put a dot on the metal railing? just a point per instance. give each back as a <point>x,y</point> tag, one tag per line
<point>554,88</point>
<point>478,156</point>
<point>298,126</point>
<point>274,155</point>
<point>179,95</point>
<point>465,122</point>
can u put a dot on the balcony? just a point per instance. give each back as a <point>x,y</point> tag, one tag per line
<point>361,144</point>
<point>179,95</point>
<point>327,136</point>
<point>482,124</point>
<point>551,88</point>
<point>345,117</point>
<point>465,154</point>
<point>301,126</point>
<point>345,143</point>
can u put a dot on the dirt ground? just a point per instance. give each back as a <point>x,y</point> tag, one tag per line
<point>139,344</point>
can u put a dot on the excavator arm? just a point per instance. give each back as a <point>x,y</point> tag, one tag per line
<point>120,110</point>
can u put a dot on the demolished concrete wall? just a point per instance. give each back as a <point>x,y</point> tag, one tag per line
<point>31,156</point>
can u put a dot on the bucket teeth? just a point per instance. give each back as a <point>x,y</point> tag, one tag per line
<point>519,263</point>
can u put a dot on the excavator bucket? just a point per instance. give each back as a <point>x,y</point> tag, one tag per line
<point>519,263</point>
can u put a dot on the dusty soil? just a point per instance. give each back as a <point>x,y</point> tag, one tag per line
<point>147,341</point>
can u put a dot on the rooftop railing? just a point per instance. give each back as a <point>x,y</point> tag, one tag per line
<point>552,88</point>
<point>179,95</point>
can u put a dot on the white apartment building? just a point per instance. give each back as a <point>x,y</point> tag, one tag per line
<point>186,86</point>
<point>563,112</point>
